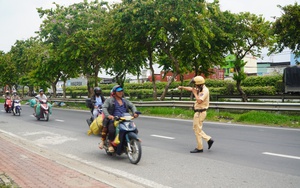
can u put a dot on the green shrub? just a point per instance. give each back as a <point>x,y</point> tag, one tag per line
<point>268,90</point>
<point>261,80</point>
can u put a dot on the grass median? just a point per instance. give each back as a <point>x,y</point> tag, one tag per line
<point>253,117</point>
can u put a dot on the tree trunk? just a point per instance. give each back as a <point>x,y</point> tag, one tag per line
<point>163,96</point>
<point>53,84</point>
<point>23,91</point>
<point>153,75</point>
<point>64,89</point>
<point>181,83</point>
<point>240,90</point>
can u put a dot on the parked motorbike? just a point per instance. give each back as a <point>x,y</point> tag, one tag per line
<point>44,110</point>
<point>17,107</point>
<point>8,105</point>
<point>129,142</point>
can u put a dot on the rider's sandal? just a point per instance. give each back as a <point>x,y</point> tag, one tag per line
<point>111,149</point>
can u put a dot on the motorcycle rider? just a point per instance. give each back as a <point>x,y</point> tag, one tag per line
<point>39,97</point>
<point>116,105</point>
<point>14,97</point>
<point>97,100</point>
<point>6,96</point>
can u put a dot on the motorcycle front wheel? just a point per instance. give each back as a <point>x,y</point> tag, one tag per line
<point>135,154</point>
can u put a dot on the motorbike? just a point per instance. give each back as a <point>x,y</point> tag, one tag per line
<point>44,110</point>
<point>129,142</point>
<point>8,105</point>
<point>17,107</point>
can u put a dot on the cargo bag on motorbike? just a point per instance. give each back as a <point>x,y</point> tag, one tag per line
<point>96,126</point>
<point>32,102</point>
<point>38,109</point>
<point>49,107</point>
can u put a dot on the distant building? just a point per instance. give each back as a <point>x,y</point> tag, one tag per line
<point>250,68</point>
<point>80,81</point>
<point>268,68</point>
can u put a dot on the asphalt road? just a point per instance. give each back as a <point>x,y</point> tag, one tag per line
<point>242,155</point>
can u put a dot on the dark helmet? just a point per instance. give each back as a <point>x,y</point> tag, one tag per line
<point>117,88</point>
<point>97,91</point>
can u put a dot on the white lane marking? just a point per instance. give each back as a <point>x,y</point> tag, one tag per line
<point>281,155</point>
<point>49,138</point>
<point>59,120</point>
<point>159,136</point>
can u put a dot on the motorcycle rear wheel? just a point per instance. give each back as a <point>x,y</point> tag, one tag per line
<point>46,115</point>
<point>18,112</point>
<point>136,151</point>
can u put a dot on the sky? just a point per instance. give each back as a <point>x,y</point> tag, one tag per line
<point>19,18</point>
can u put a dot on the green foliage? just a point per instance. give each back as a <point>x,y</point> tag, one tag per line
<point>287,29</point>
<point>248,117</point>
<point>254,85</point>
<point>267,90</point>
<point>180,36</point>
<point>262,80</point>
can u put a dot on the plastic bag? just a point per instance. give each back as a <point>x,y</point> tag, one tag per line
<point>32,102</point>
<point>96,126</point>
<point>49,107</point>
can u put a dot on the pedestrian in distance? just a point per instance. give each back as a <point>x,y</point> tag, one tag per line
<point>201,94</point>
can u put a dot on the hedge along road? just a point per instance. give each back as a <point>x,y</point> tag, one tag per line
<point>243,156</point>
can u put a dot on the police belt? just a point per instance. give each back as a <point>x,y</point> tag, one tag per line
<point>200,110</point>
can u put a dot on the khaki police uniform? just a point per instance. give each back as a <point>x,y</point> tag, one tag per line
<point>199,117</point>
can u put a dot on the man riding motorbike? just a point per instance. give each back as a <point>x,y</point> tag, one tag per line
<point>39,97</point>
<point>97,100</point>
<point>7,97</point>
<point>114,106</point>
<point>14,97</point>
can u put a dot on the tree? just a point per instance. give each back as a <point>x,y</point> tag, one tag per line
<point>30,57</point>
<point>74,36</point>
<point>126,39</point>
<point>287,30</point>
<point>8,70</point>
<point>184,31</point>
<point>248,34</point>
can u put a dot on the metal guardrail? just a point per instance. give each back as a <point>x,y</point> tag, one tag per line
<point>226,105</point>
<point>213,105</point>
